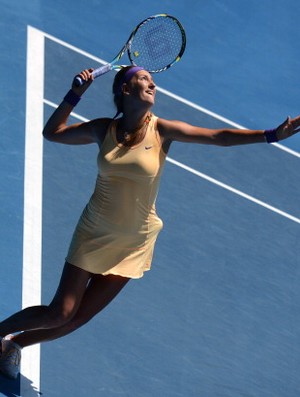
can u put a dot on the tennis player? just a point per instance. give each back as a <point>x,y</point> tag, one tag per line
<point>116,233</point>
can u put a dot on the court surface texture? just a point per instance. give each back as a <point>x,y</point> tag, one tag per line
<point>218,314</point>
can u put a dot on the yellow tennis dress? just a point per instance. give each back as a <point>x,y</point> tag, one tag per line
<point>117,230</point>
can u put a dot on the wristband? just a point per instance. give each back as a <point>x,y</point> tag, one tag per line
<point>271,136</point>
<point>72,98</point>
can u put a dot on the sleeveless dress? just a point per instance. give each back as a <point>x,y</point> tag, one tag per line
<point>117,230</point>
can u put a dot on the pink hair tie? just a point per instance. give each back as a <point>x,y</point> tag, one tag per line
<point>130,73</point>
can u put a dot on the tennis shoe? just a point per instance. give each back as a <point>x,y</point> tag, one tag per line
<point>10,358</point>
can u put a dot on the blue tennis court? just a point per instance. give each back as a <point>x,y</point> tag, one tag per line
<point>217,315</point>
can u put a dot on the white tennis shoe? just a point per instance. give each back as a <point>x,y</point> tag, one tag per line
<point>10,358</point>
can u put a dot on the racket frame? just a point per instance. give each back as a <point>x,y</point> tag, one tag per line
<point>127,47</point>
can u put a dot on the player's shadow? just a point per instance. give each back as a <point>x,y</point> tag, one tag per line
<point>11,388</point>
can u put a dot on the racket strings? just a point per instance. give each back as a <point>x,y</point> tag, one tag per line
<point>157,44</point>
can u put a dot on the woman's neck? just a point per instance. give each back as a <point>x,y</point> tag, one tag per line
<point>130,132</point>
<point>132,120</point>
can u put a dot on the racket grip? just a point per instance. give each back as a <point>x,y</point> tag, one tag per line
<point>96,73</point>
<point>102,70</point>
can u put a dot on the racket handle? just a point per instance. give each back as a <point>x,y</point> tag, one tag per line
<point>96,73</point>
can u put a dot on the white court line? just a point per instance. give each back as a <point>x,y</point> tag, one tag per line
<point>32,234</point>
<point>233,190</point>
<point>32,250</point>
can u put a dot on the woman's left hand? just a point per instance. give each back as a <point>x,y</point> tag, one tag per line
<point>288,128</point>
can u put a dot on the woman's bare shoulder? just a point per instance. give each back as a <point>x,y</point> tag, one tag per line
<point>100,127</point>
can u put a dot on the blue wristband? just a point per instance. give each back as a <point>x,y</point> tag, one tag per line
<point>271,136</point>
<point>72,98</point>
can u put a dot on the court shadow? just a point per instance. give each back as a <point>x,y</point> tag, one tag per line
<point>11,388</point>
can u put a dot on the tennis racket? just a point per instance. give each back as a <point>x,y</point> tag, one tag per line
<point>155,44</point>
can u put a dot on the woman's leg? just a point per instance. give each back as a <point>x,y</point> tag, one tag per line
<point>65,304</point>
<point>100,291</point>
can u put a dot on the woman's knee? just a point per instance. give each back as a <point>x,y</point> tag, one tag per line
<point>70,291</point>
<point>77,321</point>
<point>60,315</point>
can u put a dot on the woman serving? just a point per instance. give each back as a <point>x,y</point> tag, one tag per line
<point>115,236</point>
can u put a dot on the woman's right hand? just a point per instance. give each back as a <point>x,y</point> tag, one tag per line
<point>88,78</point>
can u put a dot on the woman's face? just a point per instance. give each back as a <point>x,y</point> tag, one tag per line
<point>142,87</point>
